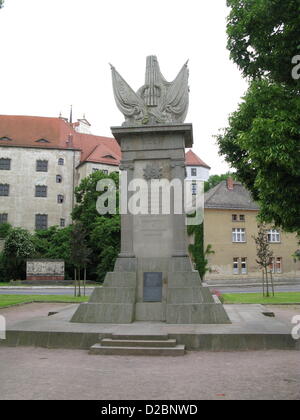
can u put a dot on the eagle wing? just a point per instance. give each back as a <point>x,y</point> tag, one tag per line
<point>128,102</point>
<point>176,100</point>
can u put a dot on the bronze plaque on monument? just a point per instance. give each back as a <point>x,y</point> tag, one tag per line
<point>152,287</point>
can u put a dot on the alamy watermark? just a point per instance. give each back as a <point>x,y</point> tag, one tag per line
<point>2,328</point>
<point>296,329</point>
<point>296,68</point>
<point>152,197</point>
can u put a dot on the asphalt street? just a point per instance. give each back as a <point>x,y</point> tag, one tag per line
<point>70,290</point>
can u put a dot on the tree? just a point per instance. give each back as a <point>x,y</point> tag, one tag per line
<point>263,36</point>
<point>262,140</point>
<point>214,180</point>
<point>55,243</point>
<point>1,3</point>
<point>199,254</point>
<point>80,253</point>
<point>264,256</point>
<point>103,231</point>
<point>263,144</point>
<point>5,228</point>
<point>17,248</point>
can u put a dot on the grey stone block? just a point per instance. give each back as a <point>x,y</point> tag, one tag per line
<point>120,279</point>
<point>185,295</point>
<point>202,313</point>
<point>150,311</point>
<point>184,279</point>
<point>113,313</point>
<point>113,295</point>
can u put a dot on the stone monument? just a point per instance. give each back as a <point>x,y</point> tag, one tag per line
<point>153,278</point>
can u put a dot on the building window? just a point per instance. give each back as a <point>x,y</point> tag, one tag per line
<point>60,198</point>
<point>40,191</point>
<point>3,218</point>
<point>5,164</point>
<point>62,222</point>
<point>238,235</point>
<point>61,161</point>
<point>42,166</point>
<point>41,221</point>
<point>242,217</point>
<point>194,188</point>
<point>273,236</point>
<point>234,217</point>
<point>276,265</point>
<point>58,179</point>
<point>194,171</point>
<point>5,139</point>
<point>244,266</point>
<point>4,190</point>
<point>235,268</point>
<point>105,171</point>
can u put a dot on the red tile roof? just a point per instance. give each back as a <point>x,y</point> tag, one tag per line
<point>26,131</point>
<point>191,159</point>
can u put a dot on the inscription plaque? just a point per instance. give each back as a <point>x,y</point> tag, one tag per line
<point>152,287</point>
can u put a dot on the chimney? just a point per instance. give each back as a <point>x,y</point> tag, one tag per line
<point>229,184</point>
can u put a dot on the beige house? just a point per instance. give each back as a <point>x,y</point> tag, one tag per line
<point>229,225</point>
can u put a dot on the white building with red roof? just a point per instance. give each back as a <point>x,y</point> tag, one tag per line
<point>43,159</point>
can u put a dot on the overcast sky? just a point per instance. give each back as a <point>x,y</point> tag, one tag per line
<point>56,52</point>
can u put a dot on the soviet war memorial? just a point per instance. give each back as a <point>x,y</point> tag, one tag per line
<point>131,271</point>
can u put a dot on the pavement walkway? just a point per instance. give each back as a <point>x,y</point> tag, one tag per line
<point>35,373</point>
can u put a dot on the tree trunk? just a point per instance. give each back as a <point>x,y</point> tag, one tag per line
<point>79,290</point>
<point>84,281</point>
<point>263,282</point>
<point>75,277</point>
<point>267,281</point>
<point>272,282</point>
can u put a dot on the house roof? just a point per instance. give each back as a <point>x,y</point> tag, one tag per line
<point>220,197</point>
<point>58,133</point>
<point>193,160</point>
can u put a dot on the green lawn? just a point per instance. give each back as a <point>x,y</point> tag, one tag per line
<point>282,297</point>
<point>9,300</point>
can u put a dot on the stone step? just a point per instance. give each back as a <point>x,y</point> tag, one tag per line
<point>149,337</point>
<point>138,343</point>
<point>99,349</point>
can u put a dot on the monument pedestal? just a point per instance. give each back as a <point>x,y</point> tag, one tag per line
<point>153,279</point>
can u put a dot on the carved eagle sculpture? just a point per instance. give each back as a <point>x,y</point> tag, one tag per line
<point>158,101</point>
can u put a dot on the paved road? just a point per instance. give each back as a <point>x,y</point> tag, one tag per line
<point>70,291</point>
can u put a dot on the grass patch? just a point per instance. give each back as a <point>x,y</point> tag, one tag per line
<point>9,300</point>
<point>281,297</point>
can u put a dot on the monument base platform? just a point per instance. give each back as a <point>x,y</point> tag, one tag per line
<point>249,330</point>
<point>185,301</point>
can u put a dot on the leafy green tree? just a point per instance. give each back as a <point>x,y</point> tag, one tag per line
<point>214,180</point>
<point>1,3</point>
<point>199,254</point>
<point>55,243</point>
<point>263,36</point>
<point>17,248</point>
<point>5,228</point>
<point>103,231</point>
<point>262,141</point>
<point>263,144</point>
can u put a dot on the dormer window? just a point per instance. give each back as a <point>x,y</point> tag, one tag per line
<point>109,157</point>
<point>5,139</point>
<point>42,141</point>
